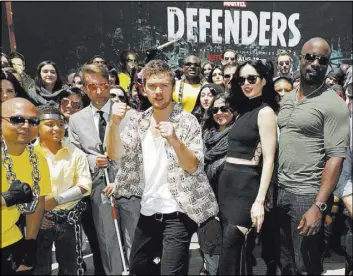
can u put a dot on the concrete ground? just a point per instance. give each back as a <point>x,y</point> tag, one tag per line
<point>332,266</point>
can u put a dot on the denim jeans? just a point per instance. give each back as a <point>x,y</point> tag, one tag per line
<point>169,238</point>
<point>212,264</point>
<point>299,255</point>
<point>63,235</point>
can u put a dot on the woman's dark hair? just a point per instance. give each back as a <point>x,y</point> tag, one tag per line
<point>203,66</point>
<point>239,102</point>
<point>96,56</point>
<point>127,97</point>
<point>219,67</point>
<point>178,73</point>
<point>114,73</point>
<point>123,59</point>
<point>198,110</point>
<point>69,92</point>
<point>270,69</point>
<point>20,92</point>
<point>38,79</point>
<point>209,123</point>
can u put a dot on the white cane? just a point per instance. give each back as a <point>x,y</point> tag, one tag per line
<point>125,272</point>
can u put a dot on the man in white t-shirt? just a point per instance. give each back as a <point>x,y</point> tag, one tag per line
<point>161,154</point>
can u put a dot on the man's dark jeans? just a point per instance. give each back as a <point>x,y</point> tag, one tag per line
<point>63,234</point>
<point>171,237</point>
<point>299,255</point>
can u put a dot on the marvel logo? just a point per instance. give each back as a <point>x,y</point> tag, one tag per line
<point>234,4</point>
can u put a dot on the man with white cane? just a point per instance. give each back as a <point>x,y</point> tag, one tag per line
<point>115,217</point>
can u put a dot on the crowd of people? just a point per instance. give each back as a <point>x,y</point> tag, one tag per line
<point>138,157</point>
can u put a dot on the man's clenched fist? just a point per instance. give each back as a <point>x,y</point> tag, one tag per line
<point>119,110</point>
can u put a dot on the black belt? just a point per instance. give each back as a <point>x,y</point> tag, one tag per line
<point>160,217</point>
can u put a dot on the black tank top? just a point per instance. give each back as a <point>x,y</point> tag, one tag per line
<point>244,136</point>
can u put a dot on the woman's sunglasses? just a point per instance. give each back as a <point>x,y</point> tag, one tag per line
<point>20,121</point>
<point>223,109</point>
<point>74,104</point>
<point>251,79</point>
<point>120,97</point>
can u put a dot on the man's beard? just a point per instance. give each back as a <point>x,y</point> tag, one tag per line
<point>285,71</point>
<point>313,77</point>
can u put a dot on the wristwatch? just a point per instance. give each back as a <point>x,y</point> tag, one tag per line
<point>321,205</point>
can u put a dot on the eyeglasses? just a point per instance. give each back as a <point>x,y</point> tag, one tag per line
<point>281,63</point>
<point>20,121</point>
<point>74,104</point>
<point>131,60</point>
<point>228,76</point>
<point>93,87</point>
<point>189,64</point>
<point>229,58</point>
<point>251,79</point>
<point>223,109</point>
<point>120,97</point>
<point>323,60</point>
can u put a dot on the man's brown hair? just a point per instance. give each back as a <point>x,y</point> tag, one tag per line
<point>157,66</point>
<point>93,69</point>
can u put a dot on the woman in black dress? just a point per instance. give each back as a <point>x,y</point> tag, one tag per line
<point>247,173</point>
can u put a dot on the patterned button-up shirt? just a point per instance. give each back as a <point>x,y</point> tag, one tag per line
<point>191,190</point>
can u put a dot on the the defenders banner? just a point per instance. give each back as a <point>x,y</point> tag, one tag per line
<point>70,33</point>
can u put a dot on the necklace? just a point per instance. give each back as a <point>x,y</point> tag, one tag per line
<point>25,208</point>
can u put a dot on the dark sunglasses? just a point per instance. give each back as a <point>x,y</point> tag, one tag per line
<point>228,76</point>
<point>281,63</point>
<point>312,57</point>
<point>189,64</point>
<point>229,58</point>
<point>121,98</point>
<point>223,109</point>
<point>74,104</point>
<point>20,121</point>
<point>251,80</point>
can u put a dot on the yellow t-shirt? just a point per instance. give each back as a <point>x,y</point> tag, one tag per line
<point>190,93</point>
<point>124,81</point>
<point>10,233</point>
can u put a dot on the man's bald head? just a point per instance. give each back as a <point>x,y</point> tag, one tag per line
<point>13,106</point>
<point>191,57</point>
<point>316,43</point>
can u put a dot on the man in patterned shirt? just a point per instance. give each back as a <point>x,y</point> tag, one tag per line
<point>161,154</point>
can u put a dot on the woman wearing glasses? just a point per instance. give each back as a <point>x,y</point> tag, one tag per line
<point>248,169</point>
<point>220,119</point>
<point>70,101</point>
